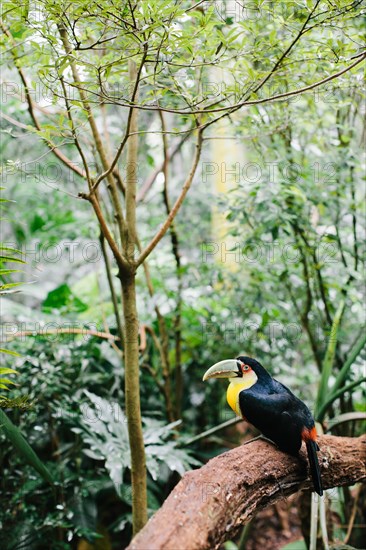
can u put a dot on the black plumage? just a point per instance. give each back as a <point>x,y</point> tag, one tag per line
<point>274,410</point>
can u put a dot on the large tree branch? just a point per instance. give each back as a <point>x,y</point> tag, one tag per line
<point>210,504</point>
<point>92,198</point>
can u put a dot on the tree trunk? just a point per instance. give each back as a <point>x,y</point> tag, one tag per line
<point>132,400</point>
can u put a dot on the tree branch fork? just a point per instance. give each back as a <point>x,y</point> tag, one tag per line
<point>210,504</point>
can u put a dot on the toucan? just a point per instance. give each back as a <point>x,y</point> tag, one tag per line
<point>271,407</point>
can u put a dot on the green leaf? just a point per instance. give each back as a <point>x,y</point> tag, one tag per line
<point>9,352</point>
<point>337,391</point>
<point>329,359</point>
<point>63,298</point>
<point>346,417</point>
<point>6,381</point>
<point>9,271</point>
<point>24,449</point>
<point>22,402</point>
<point>10,249</point>
<point>6,286</point>
<point>5,370</point>
<point>296,192</point>
<point>297,545</point>
<point>230,545</point>
<point>336,395</point>
<point>11,259</point>
<point>354,353</point>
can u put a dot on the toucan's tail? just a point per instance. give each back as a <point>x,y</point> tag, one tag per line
<point>312,448</point>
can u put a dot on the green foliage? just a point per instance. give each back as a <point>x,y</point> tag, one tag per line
<point>63,299</point>
<point>13,434</point>
<point>88,434</point>
<point>103,429</point>
<point>7,255</point>
<point>337,389</point>
<point>352,356</point>
<point>293,298</point>
<point>329,358</point>
<point>23,448</point>
<point>4,382</point>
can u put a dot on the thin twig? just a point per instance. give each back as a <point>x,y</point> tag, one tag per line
<point>178,203</point>
<point>111,286</point>
<point>175,249</point>
<point>353,514</point>
<point>46,332</point>
<point>130,126</point>
<point>150,180</point>
<point>231,109</point>
<point>30,104</point>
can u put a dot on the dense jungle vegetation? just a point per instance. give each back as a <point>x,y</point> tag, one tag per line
<point>182,182</point>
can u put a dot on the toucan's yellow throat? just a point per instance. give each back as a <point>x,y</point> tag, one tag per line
<point>236,386</point>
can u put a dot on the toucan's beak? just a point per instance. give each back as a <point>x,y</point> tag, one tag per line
<point>229,368</point>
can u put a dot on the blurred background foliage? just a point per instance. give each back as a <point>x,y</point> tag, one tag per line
<point>283,283</point>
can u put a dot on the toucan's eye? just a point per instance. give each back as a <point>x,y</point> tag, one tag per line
<point>245,368</point>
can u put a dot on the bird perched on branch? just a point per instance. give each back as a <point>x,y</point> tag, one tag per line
<point>270,407</point>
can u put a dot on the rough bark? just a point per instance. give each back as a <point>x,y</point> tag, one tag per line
<point>210,504</point>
